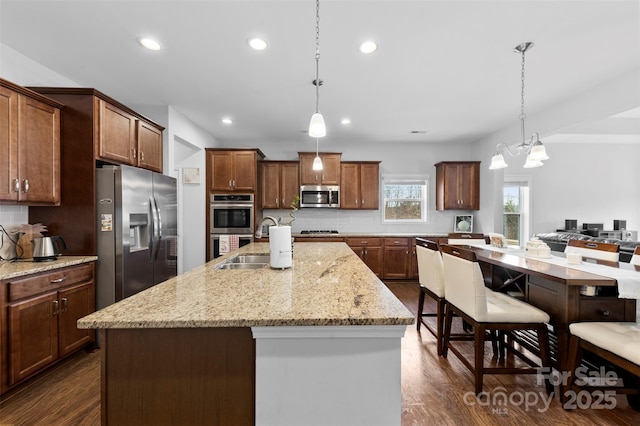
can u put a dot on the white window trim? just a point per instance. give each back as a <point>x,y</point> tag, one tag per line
<point>526,210</point>
<point>423,180</point>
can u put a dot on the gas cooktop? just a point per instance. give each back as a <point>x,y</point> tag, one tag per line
<point>319,231</point>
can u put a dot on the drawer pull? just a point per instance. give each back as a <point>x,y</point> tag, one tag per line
<point>59,280</point>
<point>55,307</point>
<point>604,312</point>
<point>64,304</point>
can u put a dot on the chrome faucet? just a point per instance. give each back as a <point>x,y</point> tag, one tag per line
<point>264,219</point>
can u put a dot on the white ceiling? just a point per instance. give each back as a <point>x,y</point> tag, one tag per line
<point>444,67</point>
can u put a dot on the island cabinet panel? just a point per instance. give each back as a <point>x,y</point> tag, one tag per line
<point>370,250</point>
<point>397,258</point>
<point>330,173</point>
<point>29,147</point>
<point>211,374</point>
<point>359,185</point>
<point>233,170</point>
<point>458,185</point>
<point>280,183</point>
<point>42,312</point>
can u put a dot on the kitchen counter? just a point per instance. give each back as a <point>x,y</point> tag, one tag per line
<point>320,342</point>
<point>327,285</point>
<point>10,270</point>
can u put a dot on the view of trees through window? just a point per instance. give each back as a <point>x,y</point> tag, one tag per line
<point>512,214</point>
<point>405,201</point>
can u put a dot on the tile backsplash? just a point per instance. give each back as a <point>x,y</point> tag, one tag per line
<point>14,215</point>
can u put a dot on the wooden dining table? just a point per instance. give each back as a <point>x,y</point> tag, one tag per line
<point>555,288</point>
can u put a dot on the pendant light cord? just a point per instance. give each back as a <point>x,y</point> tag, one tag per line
<point>317,82</point>
<point>522,114</point>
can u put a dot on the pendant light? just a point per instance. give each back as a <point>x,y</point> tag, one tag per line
<point>317,161</point>
<point>317,129</point>
<point>535,151</point>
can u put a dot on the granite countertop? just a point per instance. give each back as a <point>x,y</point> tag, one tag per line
<point>367,234</point>
<point>9,270</point>
<point>327,285</point>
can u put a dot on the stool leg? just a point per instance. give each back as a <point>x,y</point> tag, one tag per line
<point>440,324</point>
<point>545,355</point>
<point>448,318</point>
<point>573,360</point>
<point>478,343</point>
<point>420,308</point>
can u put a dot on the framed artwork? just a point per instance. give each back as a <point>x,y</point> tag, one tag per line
<point>463,223</point>
<point>191,175</point>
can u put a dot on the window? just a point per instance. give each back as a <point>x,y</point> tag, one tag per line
<point>516,211</point>
<point>405,200</point>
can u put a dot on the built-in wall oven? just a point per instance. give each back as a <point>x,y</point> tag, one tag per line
<point>230,214</point>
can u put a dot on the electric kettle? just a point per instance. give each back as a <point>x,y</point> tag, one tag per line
<point>47,248</point>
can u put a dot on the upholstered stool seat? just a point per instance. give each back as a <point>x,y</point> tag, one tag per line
<point>616,342</point>
<point>620,338</point>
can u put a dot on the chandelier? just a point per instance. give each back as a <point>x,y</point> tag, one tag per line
<point>534,150</point>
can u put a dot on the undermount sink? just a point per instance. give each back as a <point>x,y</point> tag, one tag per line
<point>246,261</point>
<point>251,258</point>
<point>232,265</point>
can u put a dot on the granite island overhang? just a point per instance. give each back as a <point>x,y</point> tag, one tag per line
<point>319,341</point>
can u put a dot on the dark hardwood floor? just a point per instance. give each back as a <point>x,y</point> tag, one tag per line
<point>435,391</point>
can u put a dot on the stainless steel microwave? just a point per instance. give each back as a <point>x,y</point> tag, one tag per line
<point>320,196</point>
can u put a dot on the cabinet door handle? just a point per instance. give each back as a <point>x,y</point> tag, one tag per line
<point>55,307</point>
<point>278,202</point>
<point>362,203</point>
<point>25,186</point>
<point>16,185</point>
<point>141,156</point>
<point>233,183</point>
<point>604,312</point>
<point>134,153</point>
<point>59,280</point>
<point>64,304</point>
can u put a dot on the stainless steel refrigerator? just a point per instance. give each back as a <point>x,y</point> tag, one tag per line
<point>137,231</point>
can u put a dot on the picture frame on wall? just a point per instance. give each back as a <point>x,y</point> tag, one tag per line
<point>463,223</point>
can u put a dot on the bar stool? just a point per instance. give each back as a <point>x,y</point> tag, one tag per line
<point>486,310</point>
<point>635,259</point>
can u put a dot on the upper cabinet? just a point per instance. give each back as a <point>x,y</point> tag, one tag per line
<point>330,173</point>
<point>29,147</point>
<point>458,185</point>
<point>233,170</point>
<point>280,183</point>
<point>359,185</point>
<point>120,135</point>
<point>125,138</point>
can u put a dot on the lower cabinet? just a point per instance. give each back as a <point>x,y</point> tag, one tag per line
<point>369,249</point>
<point>42,311</point>
<point>397,258</point>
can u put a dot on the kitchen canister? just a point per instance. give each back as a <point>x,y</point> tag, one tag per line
<point>280,247</point>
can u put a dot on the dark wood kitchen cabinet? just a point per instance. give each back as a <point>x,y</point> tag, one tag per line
<point>359,185</point>
<point>330,173</point>
<point>397,258</point>
<point>233,170</point>
<point>125,138</point>
<point>280,183</point>
<point>29,147</point>
<point>458,185</point>
<point>95,130</point>
<point>369,249</point>
<point>41,314</point>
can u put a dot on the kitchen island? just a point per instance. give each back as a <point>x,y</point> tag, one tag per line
<point>318,343</point>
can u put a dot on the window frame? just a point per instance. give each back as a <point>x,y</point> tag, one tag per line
<point>423,181</point>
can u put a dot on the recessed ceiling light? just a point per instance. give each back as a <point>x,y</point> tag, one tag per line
<point>227,120</point>
<point>150,43</point>
<point>345,121</point>
<point>257,43</point>
<point>368,47</point>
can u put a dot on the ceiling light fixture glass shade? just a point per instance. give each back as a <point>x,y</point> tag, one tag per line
<point>257,43</point>
<point>534,149</point>
<point>368,47</point>
<point>317,161</point>
<point>317,128</point>
<point>150,43</point>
